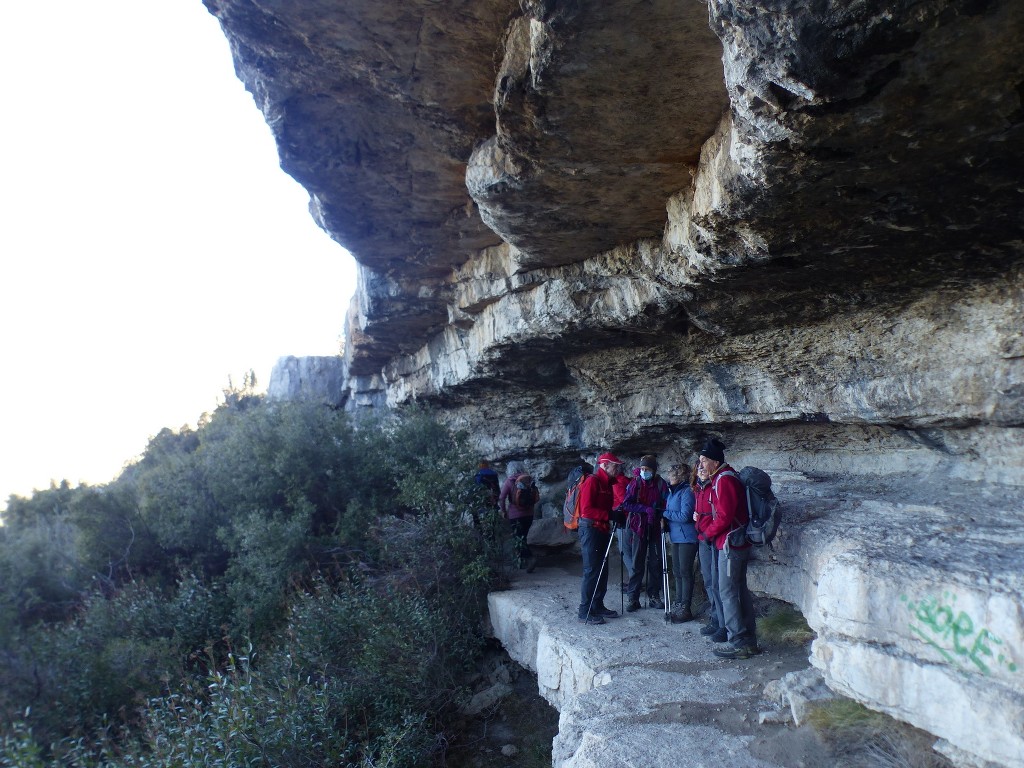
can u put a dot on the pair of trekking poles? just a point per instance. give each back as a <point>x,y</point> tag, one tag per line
<point>665,581</point>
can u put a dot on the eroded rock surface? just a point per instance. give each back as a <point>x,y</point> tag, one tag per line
<point>916,601</point>
<point>798,227</point>
<point>638,691</point>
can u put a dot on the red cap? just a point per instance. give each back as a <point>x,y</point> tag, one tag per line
<point>609,457</point>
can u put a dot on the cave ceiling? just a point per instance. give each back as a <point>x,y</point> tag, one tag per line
<point>509,173</point>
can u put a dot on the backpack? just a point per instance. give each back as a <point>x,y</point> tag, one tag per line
<point>571,505</point>
<point>527,496</point>
<point>763,508</point>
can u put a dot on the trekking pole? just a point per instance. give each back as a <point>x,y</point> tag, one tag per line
<point>604,562</point>
<point>664,576</point>
<point>622,571</point>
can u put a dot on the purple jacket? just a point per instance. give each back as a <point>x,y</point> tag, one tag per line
<point>645,501</point>
<point>508,509</point>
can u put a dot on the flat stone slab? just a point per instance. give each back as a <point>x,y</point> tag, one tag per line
<point>638,690</point>
<point>912,585</point>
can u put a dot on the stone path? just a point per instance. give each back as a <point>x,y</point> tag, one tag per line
<point>638,691</point>
<point>912,585</point>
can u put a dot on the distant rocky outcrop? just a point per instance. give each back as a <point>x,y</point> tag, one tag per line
<point>627,225</point>
<point>321,379</point>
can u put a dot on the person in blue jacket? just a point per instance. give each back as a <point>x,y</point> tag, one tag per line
<point>488,478</point>
<point>683,535</point>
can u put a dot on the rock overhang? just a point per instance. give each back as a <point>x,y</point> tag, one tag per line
<point>820,253</point>
<point>852,153</point>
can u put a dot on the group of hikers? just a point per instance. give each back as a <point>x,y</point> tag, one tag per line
<point>702,508</point>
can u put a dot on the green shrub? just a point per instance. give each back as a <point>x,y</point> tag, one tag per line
<point>113,656</point>
<point>19,749</point>
<point>113,542</point>
<point>342,549</point>
<point>267,557</point>
<point>41,577</point>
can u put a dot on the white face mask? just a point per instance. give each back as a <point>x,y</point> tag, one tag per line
<point>646,474</point>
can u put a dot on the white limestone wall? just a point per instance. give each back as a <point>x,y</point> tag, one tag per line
<point>917,608</point>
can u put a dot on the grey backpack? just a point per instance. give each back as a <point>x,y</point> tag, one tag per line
<point>763,507</point>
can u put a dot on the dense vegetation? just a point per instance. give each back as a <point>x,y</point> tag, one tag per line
<point>281,586</point>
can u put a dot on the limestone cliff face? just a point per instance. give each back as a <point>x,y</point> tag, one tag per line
<point>799,226</point>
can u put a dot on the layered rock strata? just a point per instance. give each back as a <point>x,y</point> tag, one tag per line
<point>915,597</point>
<point>798,227</point>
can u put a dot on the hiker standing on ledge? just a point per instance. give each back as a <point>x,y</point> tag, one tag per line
<point>596,515</point>
<point>645,503</point>
<point>722,520</point>
<point>715,626</point>
<point>679,519</point>
<point>487,478</point>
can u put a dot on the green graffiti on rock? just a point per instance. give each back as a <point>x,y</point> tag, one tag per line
<point>955,635</point>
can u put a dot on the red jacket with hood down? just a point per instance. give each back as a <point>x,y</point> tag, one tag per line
<point>721,507</point>
<point>597,499</point>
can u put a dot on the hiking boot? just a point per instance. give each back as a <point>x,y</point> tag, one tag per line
<point>531,564</point>
<point>731,652</point>
<point>607,613</point>
<point>593,619</point>
<point>633,605</point>
<point>681,615</point>
<point>655,602</point>
<point>720,636</point>
<point>709,629</point>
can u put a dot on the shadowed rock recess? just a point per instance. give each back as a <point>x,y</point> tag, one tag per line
<point>796,225</point>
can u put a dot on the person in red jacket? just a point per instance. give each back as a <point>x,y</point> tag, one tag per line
<point>721,517</point>
<point>596,516</point>
<point>715,626</point>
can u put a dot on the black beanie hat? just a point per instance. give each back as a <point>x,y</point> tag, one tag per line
<point>714,450</point>
<point>651,462</point>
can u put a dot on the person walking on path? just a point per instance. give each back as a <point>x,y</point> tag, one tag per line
<point>516,501</point>
<point>597,516</point>
<point>683,534</point>
<point>725,525</point>
<point>645,504</point>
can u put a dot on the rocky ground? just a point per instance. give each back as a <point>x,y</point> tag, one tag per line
<point>658,696</point>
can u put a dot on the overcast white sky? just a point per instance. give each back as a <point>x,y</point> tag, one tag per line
<point>150,245</point>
